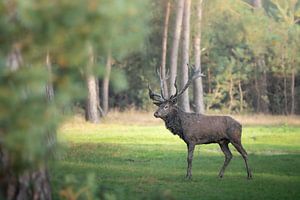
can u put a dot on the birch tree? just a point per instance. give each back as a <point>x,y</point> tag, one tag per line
<point>198,87</point>
<point>164,49</point>
<point>184,71</point>
<point>175,45</point>
<point>92,104</point>
<point>105,84</point>
<point>262,101</point>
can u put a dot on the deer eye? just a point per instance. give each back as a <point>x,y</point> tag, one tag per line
<point>166,107</point>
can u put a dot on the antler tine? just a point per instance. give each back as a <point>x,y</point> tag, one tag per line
<point>162,80</point>
<point>176,89</point>
<point>154,96</point>
<point>195,74</point>
<point>167,75</point>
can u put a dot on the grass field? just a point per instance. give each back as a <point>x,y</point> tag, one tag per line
<point>145,161</point>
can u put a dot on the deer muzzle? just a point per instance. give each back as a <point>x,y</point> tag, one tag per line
<point>156,114</point>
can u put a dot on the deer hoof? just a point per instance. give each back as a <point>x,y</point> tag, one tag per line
<point>188,177</point>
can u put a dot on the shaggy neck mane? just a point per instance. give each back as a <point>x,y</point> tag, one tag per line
<point>173,122</point>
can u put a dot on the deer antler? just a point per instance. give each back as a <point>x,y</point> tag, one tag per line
<point>154,96</point>
<point>194,75</point>
<point>159,98</point>
<point>162,81</point>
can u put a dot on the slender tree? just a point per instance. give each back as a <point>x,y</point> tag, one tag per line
<point>257,3</point>
<point>92,104</point>
<point>105,84</point>
<point>14,59</point>
<point>49,86</point>
<point>51,134</point>
<point>175,45</point>
<point>241,95</point>
<point>293,90</point>
<point>164,49</point>
<point>198,87</point>
<point>183,70</point>
<point>262,102</point>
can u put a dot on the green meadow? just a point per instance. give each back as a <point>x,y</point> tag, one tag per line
<point>148,162</point>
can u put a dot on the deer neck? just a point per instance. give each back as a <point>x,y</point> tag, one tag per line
<point>173,122</point>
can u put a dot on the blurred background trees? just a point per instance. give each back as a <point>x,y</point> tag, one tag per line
<point>246,47</point>
<point>248,54</point>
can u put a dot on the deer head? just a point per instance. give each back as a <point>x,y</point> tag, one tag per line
<point>166,105</point>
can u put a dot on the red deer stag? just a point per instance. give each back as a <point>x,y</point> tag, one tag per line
<point>196,129</point>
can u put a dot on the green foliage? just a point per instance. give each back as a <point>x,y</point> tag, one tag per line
<point>234,37</point>
<point>66,30</point>
<point>24,116</point>
<point>241,43</point>
<point>27,118</point>
<point>118,79</point>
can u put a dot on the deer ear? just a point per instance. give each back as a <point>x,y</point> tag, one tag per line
<point>157,103</point>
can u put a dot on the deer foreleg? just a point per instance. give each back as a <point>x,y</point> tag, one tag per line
<point>191,148</point>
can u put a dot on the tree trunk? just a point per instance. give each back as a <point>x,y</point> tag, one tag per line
<point>184,70</point>
<point>92,105</point>
<point>283,68</point>
<point>256,3</point>
<point>257,96</point>
<point>209,81</point>
<point>92,112</point>
<point>293,90</point>
<point>264,100</point>
<point>14,59</point>
<point>28,185</point>
<point>49,86</point>
<point>164,50</point>
<point>231,94</point>
<point>285,94</point>
<point>105,84</point>
<point>262,92</point>
<point>51,139</point>
<point>241,96</point>
<point>198,87</point>
<point>31,184</point>
<point>175,45</point>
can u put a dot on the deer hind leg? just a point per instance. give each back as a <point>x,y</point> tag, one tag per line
<point>242,151</point>
<point>228,156</point>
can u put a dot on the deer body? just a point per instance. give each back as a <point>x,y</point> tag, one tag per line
<point>195,129</point>
<point>201,129</point>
